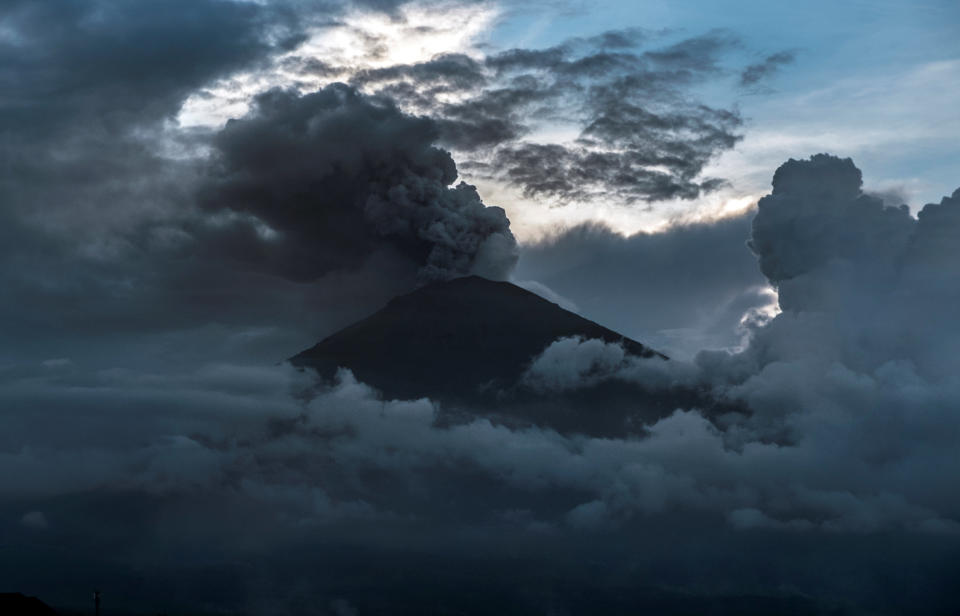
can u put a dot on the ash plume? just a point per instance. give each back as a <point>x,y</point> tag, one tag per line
<point>337,175</point>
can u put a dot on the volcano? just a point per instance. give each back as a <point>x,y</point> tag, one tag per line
<point>454,340</point>
<point>466,343</point>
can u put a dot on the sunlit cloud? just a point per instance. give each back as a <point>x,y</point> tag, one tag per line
<point>360,40</point>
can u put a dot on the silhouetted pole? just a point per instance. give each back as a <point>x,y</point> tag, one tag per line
<point>96,602</point>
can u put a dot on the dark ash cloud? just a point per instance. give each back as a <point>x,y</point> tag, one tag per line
<point>105,245</point>
<point>337,174</point>
<point>817,213</point>
<point>99,60</point>
<point>100,195</point>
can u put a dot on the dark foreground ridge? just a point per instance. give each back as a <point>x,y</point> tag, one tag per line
<point>16,604</point>
<point>453,339</point>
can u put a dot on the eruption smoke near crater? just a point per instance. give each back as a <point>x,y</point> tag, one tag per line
<point>191,192</point>
<point>338,175</point>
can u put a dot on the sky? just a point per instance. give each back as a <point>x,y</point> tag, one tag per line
<point>193,191</point>
<point>854,70</point>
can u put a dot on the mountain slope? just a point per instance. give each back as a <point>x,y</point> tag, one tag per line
<point>454,340</point>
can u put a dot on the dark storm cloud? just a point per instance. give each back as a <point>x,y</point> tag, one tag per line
<point>477,122</point>
<point>652,171</point>
<point>103,237</point>
<point>859,366</point>
<point>337,174</point>
<point>88,85</point>
<point>856,375</point>
<point>100,60</point>
<point>934,242</point>
<point>817,214</point>
<point>95,183</point>
<point>642,136</point>
<point>756,73</point>
<point>454,71</point>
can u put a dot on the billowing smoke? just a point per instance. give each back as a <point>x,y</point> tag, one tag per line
<point>577,363</point>
<point>875,283</point>
<point>817,214</point>
<point>337,175</point>
<point>846,402</point>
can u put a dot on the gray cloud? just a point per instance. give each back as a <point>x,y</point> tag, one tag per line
<point>855,375</point>
<point>98,59</point>
<point>237,451</point>
<point>680,290</point>
<point>89,89</point>
<point>817,215</point>
<point>577,363</point>
<point>755,73</point>
<point>338,174</point>
<point>643,135</point>
<point>100,195</point>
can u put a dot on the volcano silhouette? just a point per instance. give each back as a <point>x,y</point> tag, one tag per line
<point>454,340</point>
<point>466,343</point>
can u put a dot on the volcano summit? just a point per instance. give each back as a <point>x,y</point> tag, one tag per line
<point>467,343</point>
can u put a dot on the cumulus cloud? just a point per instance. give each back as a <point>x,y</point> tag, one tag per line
<point>817,213</point>
<point>576,363</point>
<point>856,367</point>
<point>854,375</point>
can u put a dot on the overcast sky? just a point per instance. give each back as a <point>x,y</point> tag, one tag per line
<point>192,191</point>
